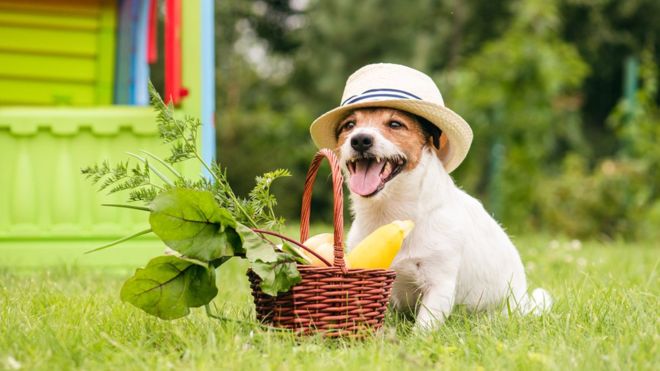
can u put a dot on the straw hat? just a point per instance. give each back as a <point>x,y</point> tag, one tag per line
<point>403,88</point>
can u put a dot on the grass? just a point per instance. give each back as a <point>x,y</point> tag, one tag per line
<point>60,310</point>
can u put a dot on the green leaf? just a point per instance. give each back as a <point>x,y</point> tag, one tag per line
<point>169,286</point>
<point>279,277</point>
<point>296,253</point>
<point>277,270</point>
<point>256,248</point>
<point>191,223</point>
<point>220,261</point>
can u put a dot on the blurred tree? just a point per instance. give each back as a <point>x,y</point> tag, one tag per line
<point>519,91</point>
<point>430,35</point>
<point>273,21</point>
<point>606,32</point>
<point>525,74</point>
<point>258,129</point>
<point>332,40</point>
<point>620,196</point>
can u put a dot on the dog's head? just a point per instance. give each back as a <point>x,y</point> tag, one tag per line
<point>377,144</point>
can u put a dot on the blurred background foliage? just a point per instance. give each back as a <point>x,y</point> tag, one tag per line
<point>559,146</point>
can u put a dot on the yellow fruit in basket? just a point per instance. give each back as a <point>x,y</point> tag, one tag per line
<point>377,250</point>
<point>322,244</point>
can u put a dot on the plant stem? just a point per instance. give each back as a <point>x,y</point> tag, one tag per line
<point>238,321</point>
<point>230,193</point>
<point>142,208</point>
<point>113,243</point>
<point>162,176</point>
<point>270,204</point>
<point>206,166</point>
<point>168,166</point>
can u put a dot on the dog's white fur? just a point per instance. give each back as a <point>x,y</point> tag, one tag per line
<point>456,254</point>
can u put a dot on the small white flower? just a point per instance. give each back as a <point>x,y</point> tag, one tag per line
<point>12,363</point>
<point>576,245</point>
<point>554,244</point>
<point>530,266</point>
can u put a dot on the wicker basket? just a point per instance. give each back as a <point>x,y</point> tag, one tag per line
<point>332,300</point>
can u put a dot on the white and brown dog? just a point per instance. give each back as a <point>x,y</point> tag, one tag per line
<point>397,157</point>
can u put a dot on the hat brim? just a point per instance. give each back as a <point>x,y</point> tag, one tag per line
<point>457,131</point>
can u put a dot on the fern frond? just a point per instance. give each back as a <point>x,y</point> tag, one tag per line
<point>144,194</point>
<point>181,135</point>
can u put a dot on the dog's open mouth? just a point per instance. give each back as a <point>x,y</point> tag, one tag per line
<point>368,174</point>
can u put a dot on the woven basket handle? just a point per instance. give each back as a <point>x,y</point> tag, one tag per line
<point>338,213</point>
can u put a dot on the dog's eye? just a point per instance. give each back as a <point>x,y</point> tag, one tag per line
<point>395,125</point>
<point>348,126</point>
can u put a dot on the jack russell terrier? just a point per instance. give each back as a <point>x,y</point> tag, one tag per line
<point>397,144</point>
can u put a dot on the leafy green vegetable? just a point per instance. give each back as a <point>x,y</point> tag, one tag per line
<point>182,136</point>
<point>254,246</point>
<point>190,222</point>
<point>201,219</point>
<point>277,277</point>
<point>277,270</point>
<point>168,286</point>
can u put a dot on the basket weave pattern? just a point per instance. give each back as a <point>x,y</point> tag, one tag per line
<point>333,300</point>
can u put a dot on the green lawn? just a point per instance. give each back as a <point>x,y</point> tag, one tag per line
<point>60,310</point>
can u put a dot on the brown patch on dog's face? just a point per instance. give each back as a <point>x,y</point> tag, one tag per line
<point>402,129</point>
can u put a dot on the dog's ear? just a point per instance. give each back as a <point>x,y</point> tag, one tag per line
<point>433,132</point>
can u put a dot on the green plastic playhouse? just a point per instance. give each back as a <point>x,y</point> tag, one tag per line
<point>58,63</point>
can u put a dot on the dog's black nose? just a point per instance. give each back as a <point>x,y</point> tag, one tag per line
<point>362,142</point>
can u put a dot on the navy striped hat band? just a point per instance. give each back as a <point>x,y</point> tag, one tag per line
<point>374,94</point>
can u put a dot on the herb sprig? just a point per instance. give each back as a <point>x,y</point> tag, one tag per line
<point>202,220</point>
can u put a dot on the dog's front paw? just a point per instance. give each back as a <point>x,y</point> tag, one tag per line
<point>428,321</point>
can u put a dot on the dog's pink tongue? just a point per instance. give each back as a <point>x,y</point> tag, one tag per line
<point>366,178</point>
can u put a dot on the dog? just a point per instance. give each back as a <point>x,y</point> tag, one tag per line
<point>457,253</point>
<point>398,143</point>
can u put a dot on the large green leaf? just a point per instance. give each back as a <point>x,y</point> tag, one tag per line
<point>256,248</point>
<point>169,286</point>
<point>191,222</point>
